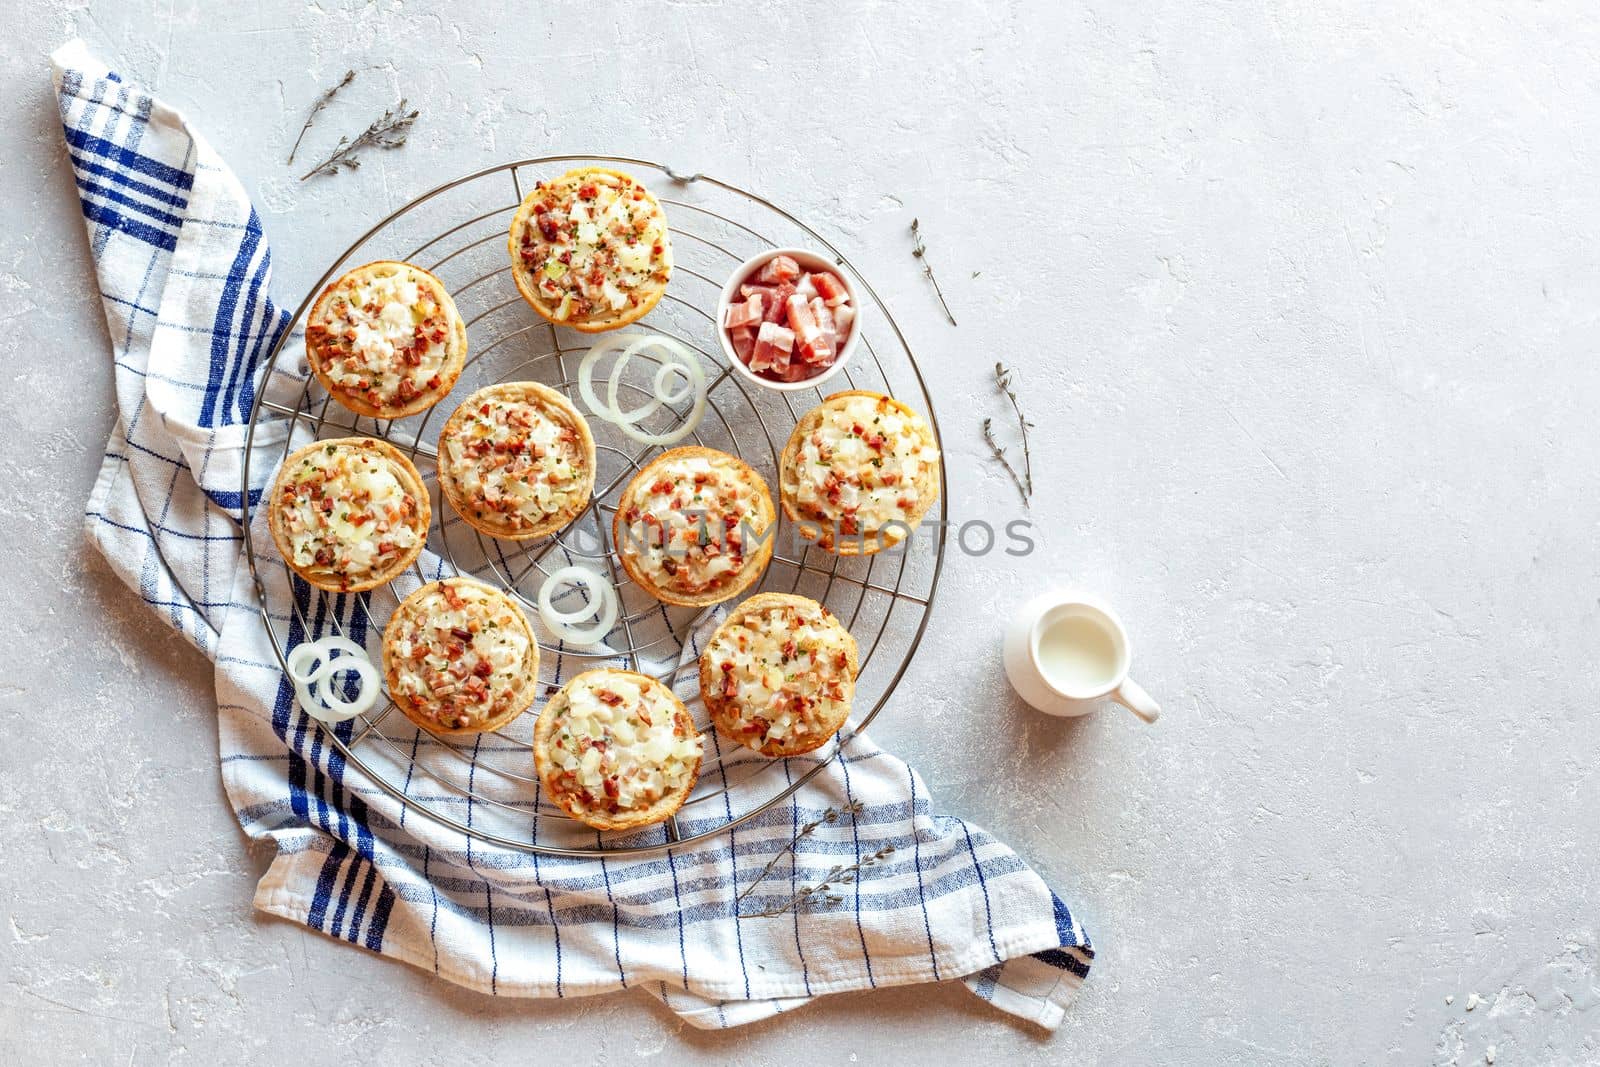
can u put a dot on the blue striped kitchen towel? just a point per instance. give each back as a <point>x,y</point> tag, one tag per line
<point>183,272</point>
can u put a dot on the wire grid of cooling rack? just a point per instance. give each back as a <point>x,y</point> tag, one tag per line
<point>486,786</point>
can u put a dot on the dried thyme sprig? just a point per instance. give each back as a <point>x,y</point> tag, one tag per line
<point>1023,482</point>
<point>851,809</point>
<point>811,894</point>
<point>389,131</point>
<point>1000,454</point>
<point>322,102</point>
<point>920,251</point>
<point>1002,379</point>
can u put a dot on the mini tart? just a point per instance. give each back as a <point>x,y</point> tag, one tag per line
<point>617,749</point>
<point>517,461</point>
<point>349,513</point>
<point>710,558</point>
<point>459,658</point>
<point>779,674</point>
<point>386,340</point>
<point>855,464</point>
<point>590,250</point>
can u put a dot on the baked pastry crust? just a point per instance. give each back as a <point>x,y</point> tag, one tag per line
<point>830,655</point>
<point>548,404</point>
<point>482,603</point>
<point>528,246</point>
<point>629,536</point>
<point>326,343</point>
<point>327,575</point>
<point>828,527</point>
<point>551,718</point>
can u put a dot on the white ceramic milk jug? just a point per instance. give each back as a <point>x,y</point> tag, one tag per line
<point>1066,651</point>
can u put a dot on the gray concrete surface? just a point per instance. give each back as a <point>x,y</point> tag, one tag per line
<point>1302,297</point>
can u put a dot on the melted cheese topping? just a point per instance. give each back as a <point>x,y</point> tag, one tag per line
<point>861,467</point>
<point>592,241</point>
<point>619,743</point>
<point>516,460</point>
<point>346,511</point>
<point>461,655</point>
<point>784,672</point>
<point>384,335</point>
<point>686,528</point>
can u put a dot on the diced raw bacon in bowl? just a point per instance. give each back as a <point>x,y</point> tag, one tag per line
<point>789,324</point>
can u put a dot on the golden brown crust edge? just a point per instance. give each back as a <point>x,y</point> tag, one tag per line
<point>526,692</point>
<point>755,566</point>
<point>928,486</point>
<point>662,810</point>
<point>409,479</point>
<point>455,354</point>
<point>541,395</point>
<point>651,296</point>
<point>723,711</point>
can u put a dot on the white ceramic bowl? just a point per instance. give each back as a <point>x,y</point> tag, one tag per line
<point>811,263</point>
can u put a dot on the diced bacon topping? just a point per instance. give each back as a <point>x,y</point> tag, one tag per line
<point>784,312</point>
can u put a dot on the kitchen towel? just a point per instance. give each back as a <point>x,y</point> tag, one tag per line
<point>183,272</point>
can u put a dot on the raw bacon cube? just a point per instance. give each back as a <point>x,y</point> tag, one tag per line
<point>830,288</point>
<point>824,316</point>
<point>777,309</point>
<point>805,288</point>
<point>744,341</point>
<point>778,269</point>
<point>749,313</point>
<point>801,319</point>
<point>820,351</point>
<point>773,345</point>
<point>843,316</point>
<point>813,342</point>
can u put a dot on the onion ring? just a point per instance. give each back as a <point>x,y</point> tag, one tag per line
<point>602,606</point>
<point>675,359</point>
<point>312,684</point>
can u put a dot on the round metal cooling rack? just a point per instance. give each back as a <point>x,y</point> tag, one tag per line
<point>486,786</point>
